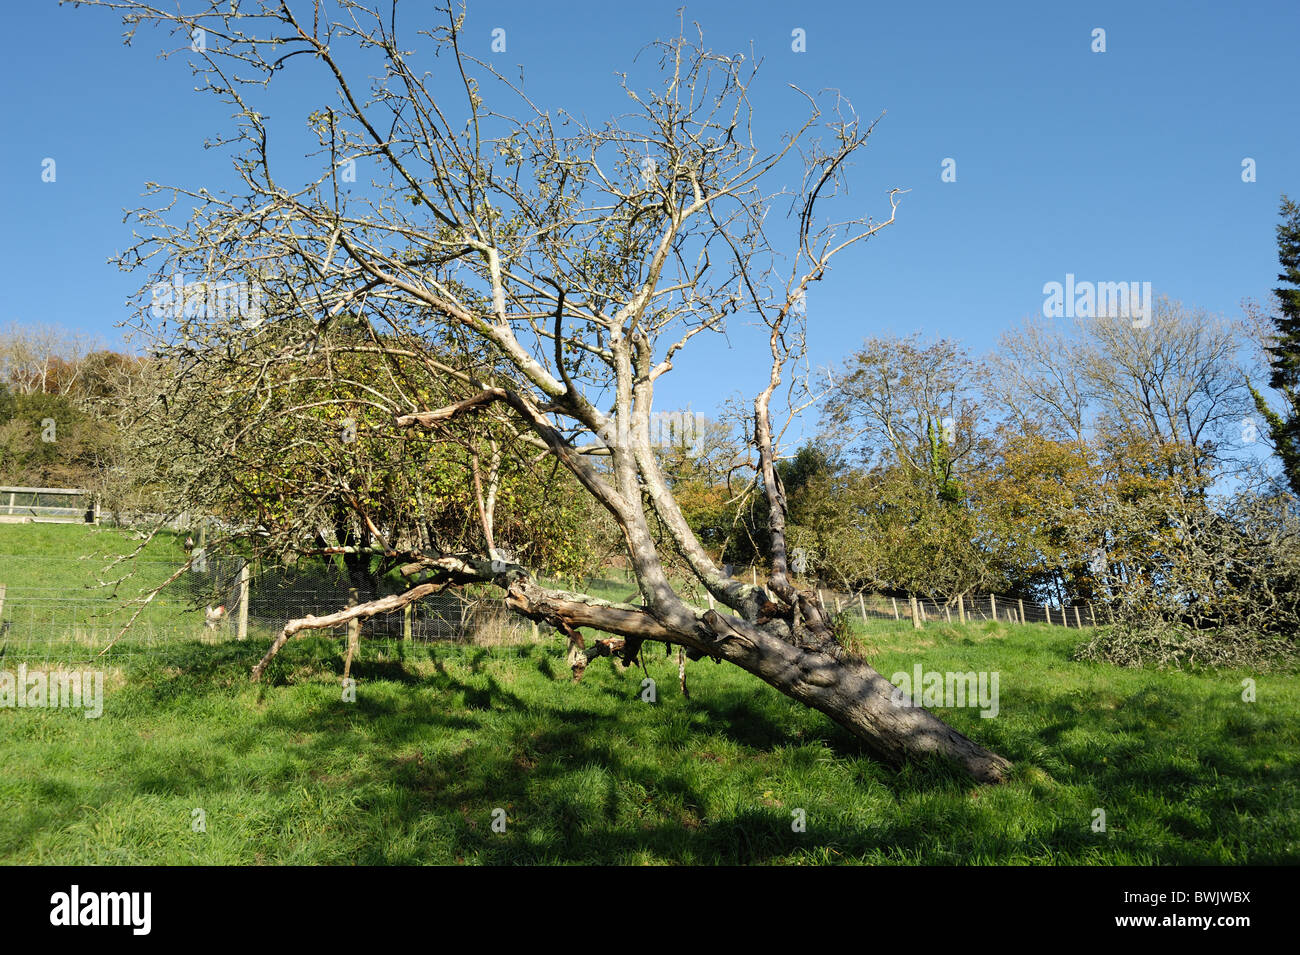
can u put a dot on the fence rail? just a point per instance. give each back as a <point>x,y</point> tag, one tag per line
<point>869,606</point>
<point>48,504</point>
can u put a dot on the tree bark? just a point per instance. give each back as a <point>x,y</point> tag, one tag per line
<point>848,691</point>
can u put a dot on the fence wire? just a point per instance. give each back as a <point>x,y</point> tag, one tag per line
<point>41,622</point>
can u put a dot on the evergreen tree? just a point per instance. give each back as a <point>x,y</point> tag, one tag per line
<point>1284,352</point>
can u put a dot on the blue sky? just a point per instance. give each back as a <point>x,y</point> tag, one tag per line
<point>1115,166</point>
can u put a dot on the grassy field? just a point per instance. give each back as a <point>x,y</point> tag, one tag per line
<point>440,736</point>
<point>66,599</point>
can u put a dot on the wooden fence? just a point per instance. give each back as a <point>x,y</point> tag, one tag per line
<point>61,505</point>
<point>962,608</point>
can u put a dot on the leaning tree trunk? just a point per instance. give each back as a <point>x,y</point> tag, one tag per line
<point>847,690</point>
<point>863,702</point>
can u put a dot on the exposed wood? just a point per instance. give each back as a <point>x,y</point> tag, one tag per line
<point>848,691</point>
<point>354,636</point>
<point>241,630</point>
<point>360,611</point>
<point>354,646</point>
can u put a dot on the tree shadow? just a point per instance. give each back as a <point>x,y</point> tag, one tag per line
<point>452,743</point>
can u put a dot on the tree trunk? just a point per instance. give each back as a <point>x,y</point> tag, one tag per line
<point>862,701</point>
<point>848,691</point>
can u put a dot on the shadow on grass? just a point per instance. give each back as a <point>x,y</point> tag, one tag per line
<point>435,743</point>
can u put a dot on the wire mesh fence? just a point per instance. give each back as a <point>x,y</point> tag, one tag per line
<point>51,504</point>
<point>215,600</point>
<point>70,610</point>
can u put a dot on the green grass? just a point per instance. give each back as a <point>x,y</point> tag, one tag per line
<point>440,736</point>
<point>79,542</point>
<point>65,600</point>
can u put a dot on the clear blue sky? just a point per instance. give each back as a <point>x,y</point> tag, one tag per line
<point>1115,166</point>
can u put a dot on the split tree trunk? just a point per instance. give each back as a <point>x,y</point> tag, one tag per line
<point>848,691</point>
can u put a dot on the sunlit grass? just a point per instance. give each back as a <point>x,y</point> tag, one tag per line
<point>440,736</point>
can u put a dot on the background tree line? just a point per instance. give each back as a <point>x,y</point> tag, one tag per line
<point>1086,461</point>
<point>55,391</point>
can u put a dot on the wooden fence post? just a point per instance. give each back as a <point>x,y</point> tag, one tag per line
<point>947,613</point>
<point>1047,609</point>
<point>407,613</point>
<point>862,605</point>
<point>354,645</point>
<point>1077,622</point>
<point>354,636</point>
<point>1021,602</point>
<point>961,608</point>
<point>242,630</point>
<point>1091,614</point>
<point>895,603</point>
<point>993,607</point>
<point>916,620</point>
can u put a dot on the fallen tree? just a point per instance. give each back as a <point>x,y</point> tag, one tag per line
<point>564,266</point>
